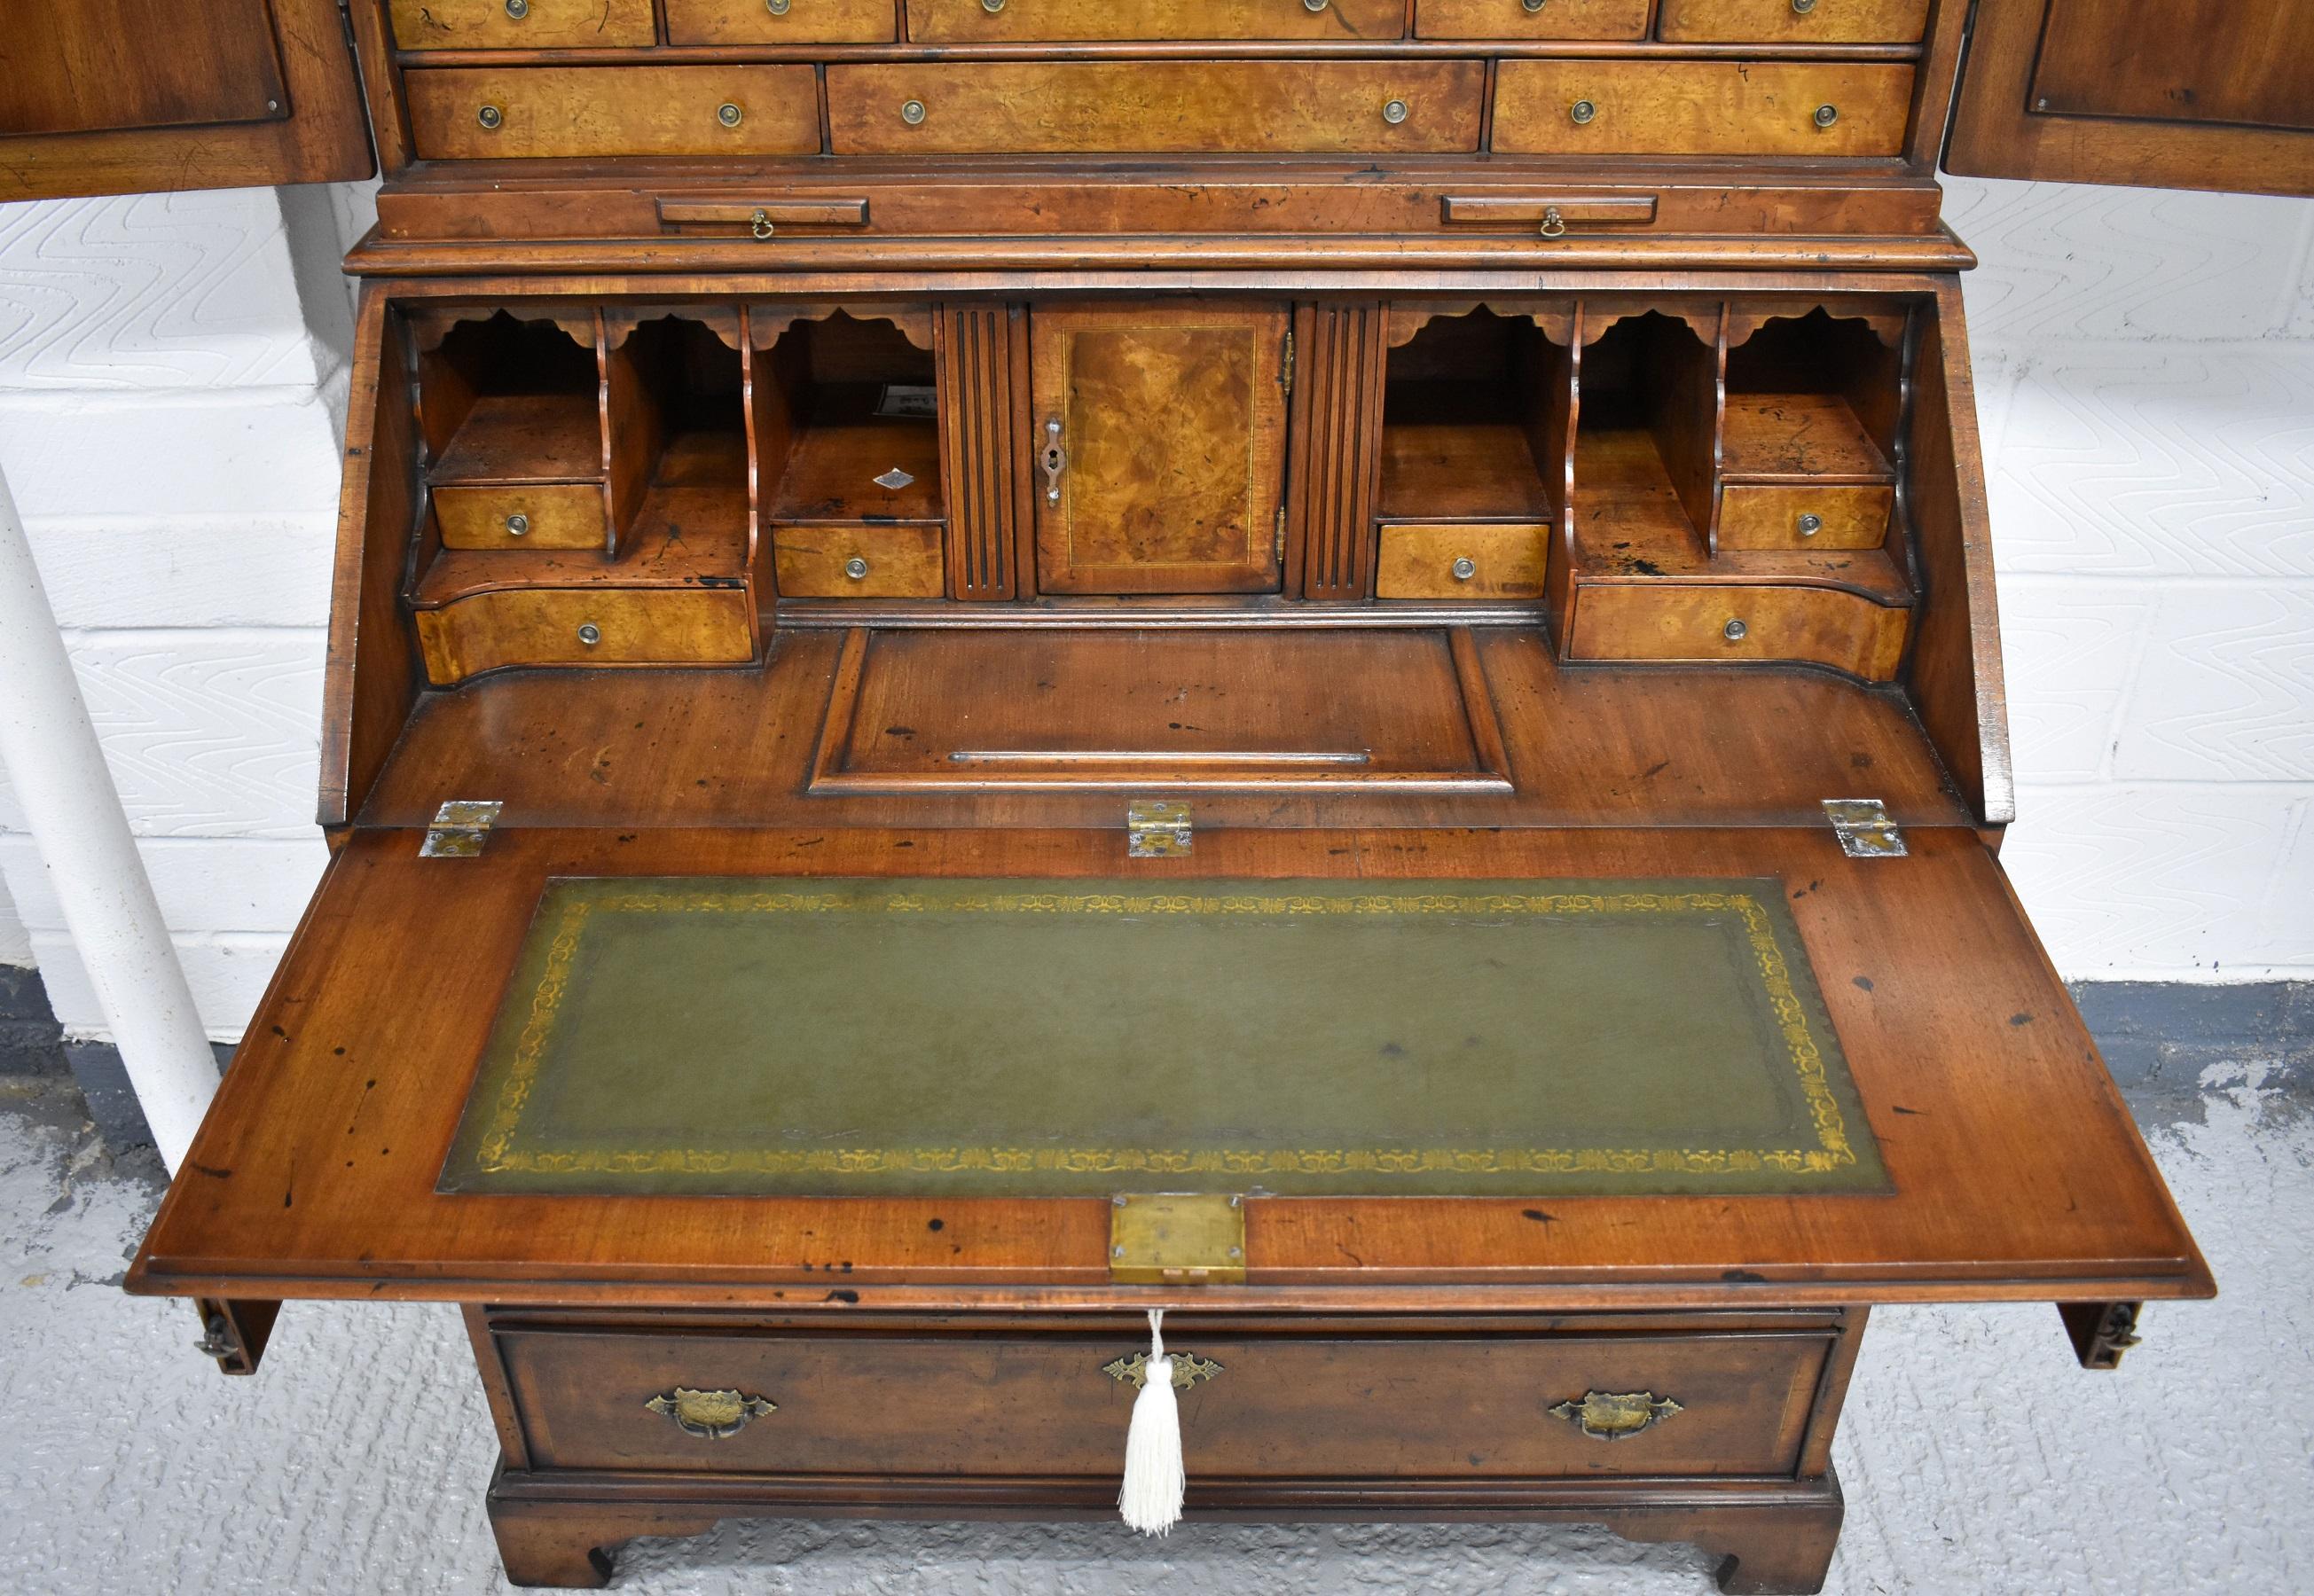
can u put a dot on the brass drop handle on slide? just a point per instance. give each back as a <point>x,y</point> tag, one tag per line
<point>1054,460</point>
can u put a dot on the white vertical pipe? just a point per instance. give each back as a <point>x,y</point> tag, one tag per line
<point>49,749</point>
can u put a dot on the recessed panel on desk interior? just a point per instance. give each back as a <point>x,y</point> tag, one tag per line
<point>845,1037</point>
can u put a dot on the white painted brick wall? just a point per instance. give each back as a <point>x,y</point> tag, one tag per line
<point>172,380</point>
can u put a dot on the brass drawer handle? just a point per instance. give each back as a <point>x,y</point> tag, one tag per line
<point>728,114</point>
<point>1054,460</point>
<point>491,119</point>
<point>1554,223</point>
<point>1734,631</point>
<point>517,524</point>
<point>1531,7</point>
<point>1802,7</point>
<point>912,112</point>
<point>518,9</point>
<point>1315,5</point>
<point>1394,111</point>
<point>1826,115</point>
<point>589,633</point>
<point>711,1415</point>
<point>1605,1415</point>
<point>1582,113</point>
<point>1810,525</point>
<point>1189,1369</point>
<point>1464,567</point>
<point>856,569</point>
<point>778,8</point>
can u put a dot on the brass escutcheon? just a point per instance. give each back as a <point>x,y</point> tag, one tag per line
<point>1189,1369</point>
<point>711,1415</point>
<point>1605,1415</point>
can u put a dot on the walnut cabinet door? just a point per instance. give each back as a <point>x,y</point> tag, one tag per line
<point>1159,436</point>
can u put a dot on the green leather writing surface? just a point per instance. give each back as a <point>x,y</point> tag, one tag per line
<point>1010,1037</point>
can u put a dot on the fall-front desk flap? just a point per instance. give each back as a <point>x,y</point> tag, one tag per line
<point>874,1037</point>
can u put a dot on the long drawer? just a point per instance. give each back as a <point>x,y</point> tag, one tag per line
<point>1701,108</point>
<point>945,21</point>
<point>585,626</point>
<point>485,113</point>
<point>1136,107</point>
<point>1430,1406</point>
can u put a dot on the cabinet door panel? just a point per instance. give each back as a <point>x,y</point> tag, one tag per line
<point>134,96</point>
<point>1170,424</point>
<point>2163,94</point>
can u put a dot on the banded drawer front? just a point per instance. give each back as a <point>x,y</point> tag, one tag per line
<point>1532,19</point>
<point>1757,516</point>
<point>1031,20</point>
<point>853,562</point>
<point>1472,561</point>
<point>525,113</point>
<point>1137,107</point>
<point>1701,108</point>
<point>585,626</point>
<point>782,21</point>
<point>532,515</point>
<point>1793,21</point>
<point>1440,1406</point>
<point>522,24</point>
<point>1714,622</point>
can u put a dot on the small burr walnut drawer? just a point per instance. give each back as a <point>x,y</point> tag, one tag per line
<point>945,21</point>
<point>1701,108</point>
<point>1528,19</point>
<point>1756,516</point>
<point>854,561</point>
<point>1781,21</point>
<point>524,515</point>
<point>1272,107</point>
<point>485,113</point>
<point>524,25</point>
<point>1473,561</point>
<point>585,626</point>
<point>786,22</point>
<point>1444,1406</point>
<point>1717,622</point>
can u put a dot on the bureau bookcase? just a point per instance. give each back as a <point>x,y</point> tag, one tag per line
<point>1327,664</point>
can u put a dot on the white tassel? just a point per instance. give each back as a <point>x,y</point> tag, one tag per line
<point>1151,1499</point>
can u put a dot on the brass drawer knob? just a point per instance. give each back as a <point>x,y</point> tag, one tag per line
<point>1810,525</point>
<point>1531,7</point>
<point>1608,1415</point>
<point>728,114</point>
<point>491,117</point>
<point>1734,631</point>
<point>711,1415</point>
<point>1802,7</point>
<point>912,112</point>
<point>1394,111</point>
<point>1582,113</point>
<point>1826,115</point>
<point>518,9</point>
<point>517,524</point>
<point>856,569</point>
<point>1315,5</point>
<point>589,633</point>
<point>778,8</point>
<point>1464,567</point>
<point>1189,1369</point>
<point>992,6</point>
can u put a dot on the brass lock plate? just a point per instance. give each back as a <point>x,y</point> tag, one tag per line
<point>1172,1238</point>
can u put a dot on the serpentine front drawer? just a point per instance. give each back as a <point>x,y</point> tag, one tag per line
<point>1701,108</point>
<point>491,113</point>
<point>585,626</point>
<point>1433,1406</point>
<point>1271,108</point>
<point>1709,622</point>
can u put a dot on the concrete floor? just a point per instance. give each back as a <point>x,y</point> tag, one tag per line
<point>1977,1456</point>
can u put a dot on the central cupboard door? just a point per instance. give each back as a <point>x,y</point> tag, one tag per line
<point>1160,433</point>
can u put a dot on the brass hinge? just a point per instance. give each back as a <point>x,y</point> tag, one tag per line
<point>1277,545</point>
<point>1864,828</point>
<point>1285,363</point>
<point>460,828</point>
<point>1156,828</point>
<point>1167,1239</point>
